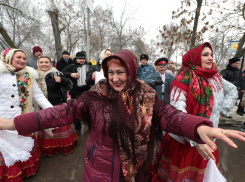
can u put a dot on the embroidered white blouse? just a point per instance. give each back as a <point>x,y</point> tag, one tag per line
<point>224,101</point>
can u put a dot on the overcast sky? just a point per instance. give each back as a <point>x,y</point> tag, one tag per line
<point>151,14</point>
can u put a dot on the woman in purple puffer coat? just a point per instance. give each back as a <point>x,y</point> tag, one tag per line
<point>122,114</point>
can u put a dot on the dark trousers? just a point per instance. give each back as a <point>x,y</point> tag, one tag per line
<point>240,109</point>
<point>77,124</point>
<point>65,95</point>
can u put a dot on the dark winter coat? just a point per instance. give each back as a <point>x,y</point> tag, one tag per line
<point>231,74</point>
<point>61,64</point>
<point>168,81</point>
<point>72,68</point>
<point>55,95</point>
<point>242,81</point>
<point>94,68</point>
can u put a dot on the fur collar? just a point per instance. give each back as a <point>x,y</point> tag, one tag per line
<point>29,70</point>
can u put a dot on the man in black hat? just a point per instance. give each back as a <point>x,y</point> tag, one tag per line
<point>64,61</point>
<point>231,74</point>
<point>161,81</point>
<point>144,69</point>
<point>76,72</point>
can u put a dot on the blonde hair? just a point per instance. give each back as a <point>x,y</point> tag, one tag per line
<point>44,56</point>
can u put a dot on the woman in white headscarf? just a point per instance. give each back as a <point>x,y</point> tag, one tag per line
<point>18,88</point>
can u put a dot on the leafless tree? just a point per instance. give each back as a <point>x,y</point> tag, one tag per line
<point>20,22</point>
<point>123,32</point>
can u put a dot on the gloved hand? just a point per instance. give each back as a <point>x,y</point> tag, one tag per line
<point>158,82</point>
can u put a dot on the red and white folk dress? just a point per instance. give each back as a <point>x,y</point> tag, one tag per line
<point>177,159</point>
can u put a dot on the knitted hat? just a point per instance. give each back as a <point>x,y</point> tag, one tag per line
<point>80,55</point>
<point>161,61</point>
<point>233,60</point>
<point>7,54</point>
<point>144,56</point>
<point>65,52</point>
<point>37,48</point>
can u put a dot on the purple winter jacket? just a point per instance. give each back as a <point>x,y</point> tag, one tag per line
<point>102,158</point>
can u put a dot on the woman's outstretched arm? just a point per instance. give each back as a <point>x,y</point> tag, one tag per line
<point>196,128</point>
<point>56,116</point>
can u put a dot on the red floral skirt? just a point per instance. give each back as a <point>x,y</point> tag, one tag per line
<point>19,170</point>
<point>177,162</point>
<point>63,141</point>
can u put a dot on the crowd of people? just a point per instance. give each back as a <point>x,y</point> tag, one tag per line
<point>128,106</point>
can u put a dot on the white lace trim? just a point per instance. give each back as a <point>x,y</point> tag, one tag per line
<point>15,147</point>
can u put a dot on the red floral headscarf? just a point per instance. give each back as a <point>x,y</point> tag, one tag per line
<point>193,80</point>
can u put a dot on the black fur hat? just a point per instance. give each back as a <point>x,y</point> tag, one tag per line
<point>144,56</point>
<point>233,60</point>
<point>65,52</point>
<point>80,55</point>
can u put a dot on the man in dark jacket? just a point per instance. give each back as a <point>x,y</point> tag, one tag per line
<point>161,81</point>
<point>64,61</point>
<point>231,74</point>
<point>74,72</point>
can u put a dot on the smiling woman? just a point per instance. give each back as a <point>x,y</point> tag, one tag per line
<point>18,88</point>
<point>44,63</point>
<point>19,60</point>
<point>197,90</point>
<point>117,74</point>
<point>207,57</point>
<point>61,139</point>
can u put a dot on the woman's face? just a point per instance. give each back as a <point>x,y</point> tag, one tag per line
<point>107,53</point>
<point>44,64</point>
<point>117,75</point>
<point>207,58</point>
<point>19,60</point>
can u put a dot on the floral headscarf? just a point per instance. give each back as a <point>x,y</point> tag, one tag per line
<point>23,79</point>
<point>193,80</point>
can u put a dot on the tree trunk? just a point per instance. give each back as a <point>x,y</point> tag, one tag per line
<point>240,51</point>
<point>55,24</point>
<point>6,37</point>
<point>194,32</point>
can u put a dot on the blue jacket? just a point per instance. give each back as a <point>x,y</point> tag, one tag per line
<point>144,71</point>
<point>168,81</point>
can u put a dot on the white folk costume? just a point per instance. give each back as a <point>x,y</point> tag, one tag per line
<point>200,92</point>
<point>17,89</point>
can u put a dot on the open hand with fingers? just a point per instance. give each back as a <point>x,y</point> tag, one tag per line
<point>205,151</point>
<point>207,135</point>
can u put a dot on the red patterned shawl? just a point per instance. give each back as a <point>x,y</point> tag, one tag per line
<point>193,79</point>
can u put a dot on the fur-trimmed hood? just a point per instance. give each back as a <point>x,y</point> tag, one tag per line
<point>29,70</point>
